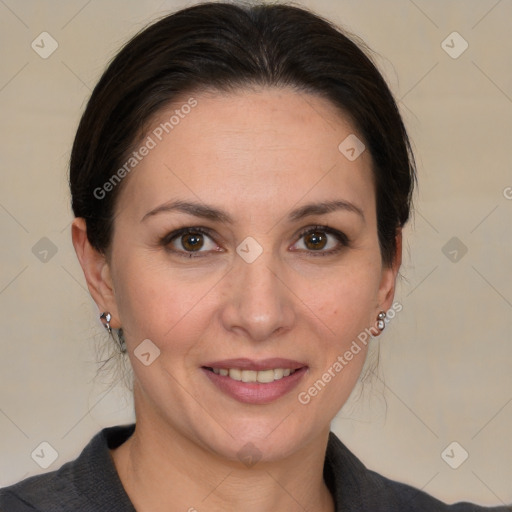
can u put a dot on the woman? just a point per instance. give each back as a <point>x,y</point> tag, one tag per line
<point>240,179</point>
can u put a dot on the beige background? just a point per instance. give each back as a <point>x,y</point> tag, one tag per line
<point>445,359</point>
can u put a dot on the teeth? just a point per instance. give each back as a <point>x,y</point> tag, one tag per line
<point>262,376</point>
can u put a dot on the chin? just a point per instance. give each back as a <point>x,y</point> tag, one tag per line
<point>264,440</point>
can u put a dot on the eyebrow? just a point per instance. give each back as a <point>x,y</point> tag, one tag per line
<point>216,214</point>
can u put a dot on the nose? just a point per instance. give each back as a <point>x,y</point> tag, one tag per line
<point>258,299</point>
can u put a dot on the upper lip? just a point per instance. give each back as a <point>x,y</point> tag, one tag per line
<point>251,364</point>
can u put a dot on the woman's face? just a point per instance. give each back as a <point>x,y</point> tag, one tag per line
<point>260,278</point>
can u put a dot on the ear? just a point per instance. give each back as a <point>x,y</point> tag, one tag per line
<point>96,271</point>
<point>389,274</point>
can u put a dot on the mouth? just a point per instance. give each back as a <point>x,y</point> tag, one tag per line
<point>255,382</point>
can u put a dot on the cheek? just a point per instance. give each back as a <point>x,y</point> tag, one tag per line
<point>345,303</point>
<point>158,303</point>
<point>346,297</point>
<point>347,309</point>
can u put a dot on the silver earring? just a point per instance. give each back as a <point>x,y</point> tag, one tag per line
<point>105,319</point>
<point>380,321</point>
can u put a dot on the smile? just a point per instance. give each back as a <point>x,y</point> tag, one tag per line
<point>255,382</point>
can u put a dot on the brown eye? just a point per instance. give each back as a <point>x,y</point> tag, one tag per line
<point>315,240</point>
<point>192,241</point>
<point>321,241</point>
<point>189,242</point>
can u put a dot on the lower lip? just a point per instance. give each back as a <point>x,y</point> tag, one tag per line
<point>256,392</point>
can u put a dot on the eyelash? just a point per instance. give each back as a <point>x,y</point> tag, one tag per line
<point>167,239</point>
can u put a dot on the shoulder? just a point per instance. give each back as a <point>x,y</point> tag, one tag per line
<point>49,491</point>
<point>408,498</point>
<point>89,483</point>
<point>357,488</point>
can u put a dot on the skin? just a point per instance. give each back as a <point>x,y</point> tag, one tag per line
<point>257,154</point>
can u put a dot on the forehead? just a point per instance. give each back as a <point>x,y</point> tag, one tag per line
<point>250,150</point>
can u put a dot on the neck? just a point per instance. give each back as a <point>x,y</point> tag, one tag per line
<point>163,470</point>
